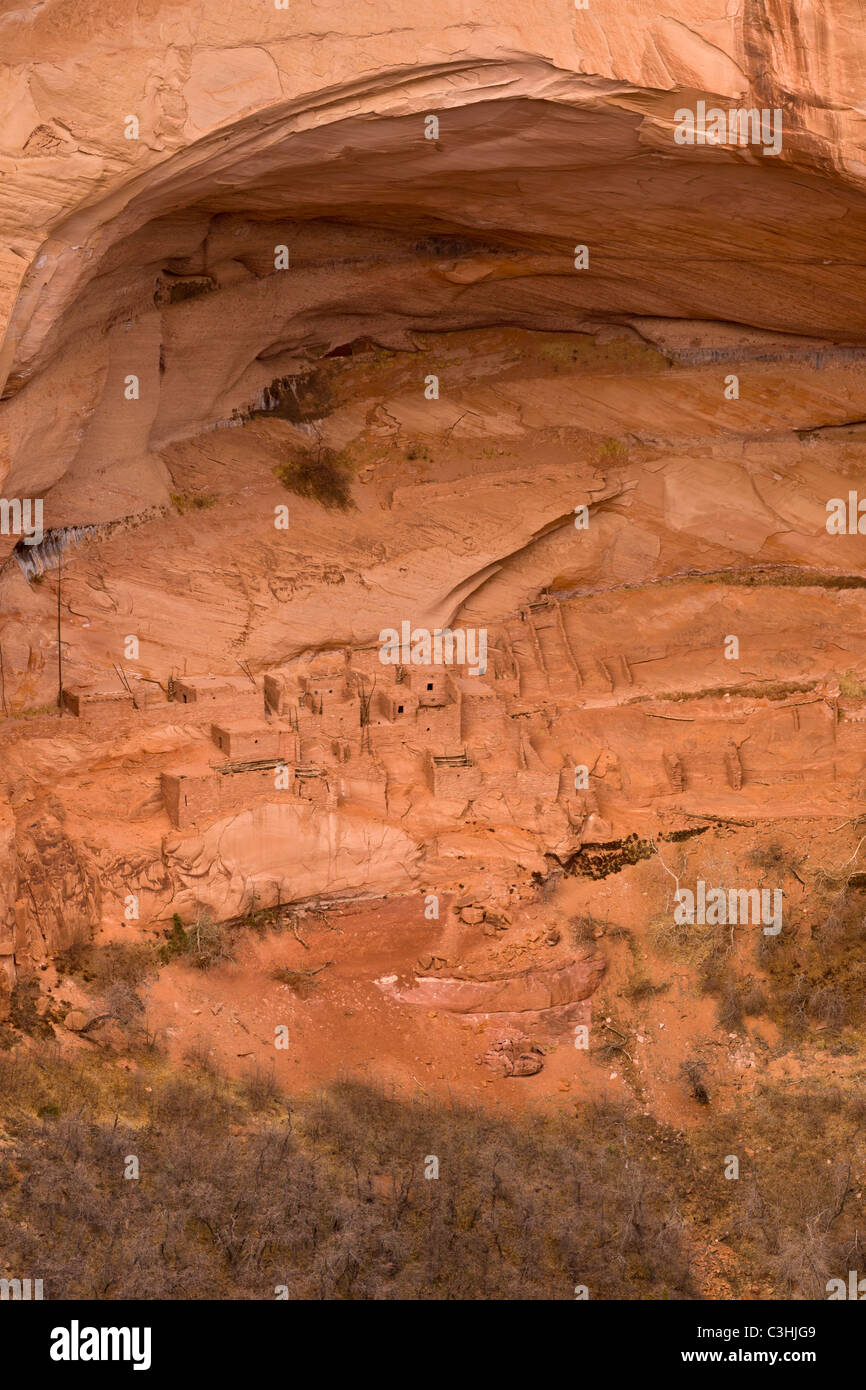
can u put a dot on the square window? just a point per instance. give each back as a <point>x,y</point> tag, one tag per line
<point>399,709</point>
<point>429,685</point>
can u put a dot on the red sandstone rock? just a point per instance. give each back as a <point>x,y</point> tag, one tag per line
<point>532,990</point>
<point>514,1056</point>
<point>161,368</point>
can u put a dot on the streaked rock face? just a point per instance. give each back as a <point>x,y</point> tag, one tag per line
<point>312,329</point>
<point>532,991</point>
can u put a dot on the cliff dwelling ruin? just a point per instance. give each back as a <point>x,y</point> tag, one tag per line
<point>325,336</point>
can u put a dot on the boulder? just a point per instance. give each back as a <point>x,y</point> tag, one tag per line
<point>514,1056</point>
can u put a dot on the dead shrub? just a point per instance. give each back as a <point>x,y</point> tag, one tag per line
<point>582,929</point>
<point>693,1070</point>
<point>328,1198</point>
<point>773,858</point>
<point>320,474</point>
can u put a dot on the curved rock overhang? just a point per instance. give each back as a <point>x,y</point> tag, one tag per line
<point>173,277</point>
<point>222,276</point>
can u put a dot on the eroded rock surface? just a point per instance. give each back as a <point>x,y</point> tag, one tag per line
<point>532,992</point>
<point>283,373</point>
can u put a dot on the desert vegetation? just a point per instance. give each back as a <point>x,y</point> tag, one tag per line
<point>242,1189</point>
<point>319,473</point>
<point>794,1216</point>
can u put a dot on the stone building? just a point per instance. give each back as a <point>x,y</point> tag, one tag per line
<point>190,797</point>
<point>282,691</point>
<point>199,690</point>
<point>482,712</point>
<point>325,676</point>
<point>312,784</point>
<point>397,702</point>
<point>244,740</point>
<point>82,701</point>
<point>334,711</point>
<point>431,685</point>
<point>452,775</point>
<point>421,708</point>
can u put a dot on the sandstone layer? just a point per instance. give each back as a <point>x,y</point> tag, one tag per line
<point>315,325</point>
